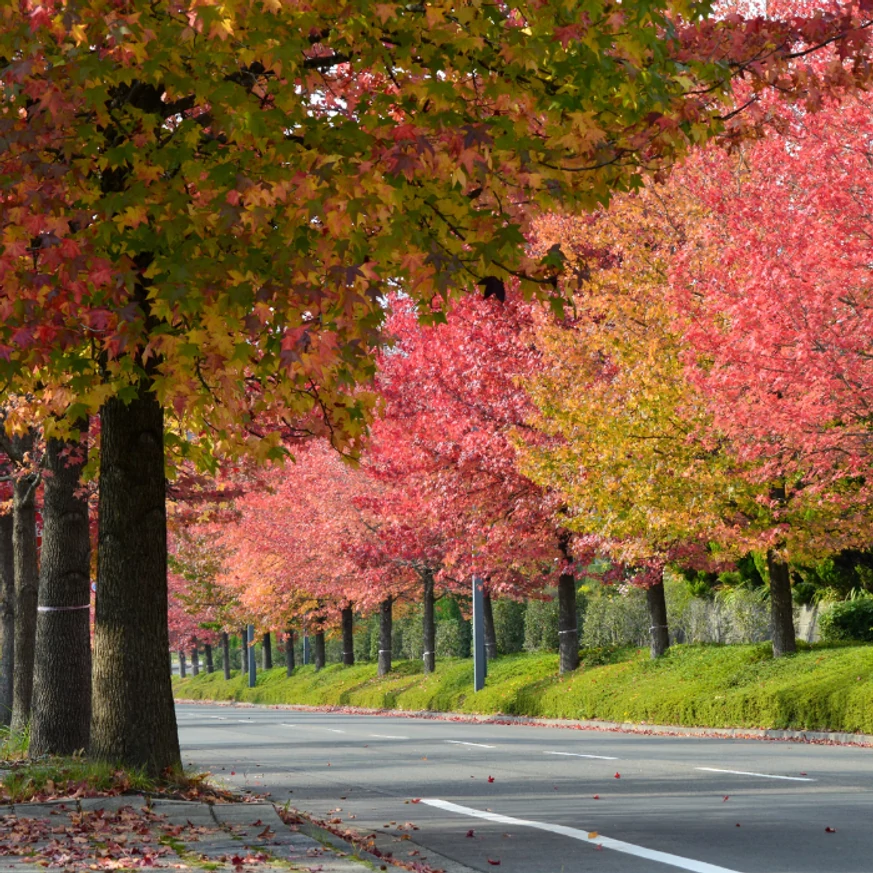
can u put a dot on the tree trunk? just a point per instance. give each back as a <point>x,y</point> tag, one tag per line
<point>182,671</point>
<point>62,679</point>
<point>781,607</point>
<point>7,618</point>
<point>318,650</point>
<point>289,652</point>
<point>429,624</point>
<point>267,646</point>
<point>658,629</point>
<point>488,625</point>
<point>133,719</point>
<point>207,650</point>
<point>26,598</point>
<point>243,651</point>
<point>195,661</point>
<point>225,653</point>
<point>348,622</point>
<point>385,636</point>
<point>568,632</point>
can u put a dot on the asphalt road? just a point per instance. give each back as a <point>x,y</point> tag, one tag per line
<point>548,800</point>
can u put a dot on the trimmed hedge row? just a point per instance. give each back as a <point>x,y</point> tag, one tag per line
<point>827,688</point>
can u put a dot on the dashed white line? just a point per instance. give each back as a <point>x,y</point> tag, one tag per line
<point>389,737</point>
<point>761,775</point>
<point>580,755</point>
<point>334,731</point>
<point>218,717</point>
<point>590,837</point>
<point>462,743</point>
<point>285,724</point>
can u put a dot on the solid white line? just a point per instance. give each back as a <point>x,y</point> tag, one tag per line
<point>583,836</point>
<point>462,743</point>
<point>388,737</point>
<point>762,775</point>
<point>578,755</point>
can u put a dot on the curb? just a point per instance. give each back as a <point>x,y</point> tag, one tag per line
<point>769,734</point>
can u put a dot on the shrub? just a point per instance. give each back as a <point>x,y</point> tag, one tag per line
<point>848,620</point>
<point>509,625</point>
<point>616,617</point>
<point>541,626</point>
<point>453,638</point>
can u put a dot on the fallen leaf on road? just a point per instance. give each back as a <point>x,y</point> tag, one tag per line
<point>830,830</point>
<point>490,778</point>
<point>725,798</point>
<point>596,797</point>
<point>493,863</point>
<point>416,800</point>
<point>618,775</point>
<point>592,835</point>
<point>471,833</point>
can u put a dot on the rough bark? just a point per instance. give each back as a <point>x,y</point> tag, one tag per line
<point>225,653</point>
<point>488,626</point>
<point>289,652</point>
<point>195,661</point>
<point>61,720</point>
<point>26,597</point>
<point>267,646</point>
<point>429,624</point>
<point>568,632</point>
<point>133,719</point>
<point>182,669</point>
<point>658,630</point>
<point>7,618</point>
<point>318,650</point>
<point>348,624</point>
<point>781,607</point>
<point>207,651</point>
<point>385,636</point>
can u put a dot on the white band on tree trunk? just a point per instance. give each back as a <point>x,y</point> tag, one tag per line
<point>61,608</point>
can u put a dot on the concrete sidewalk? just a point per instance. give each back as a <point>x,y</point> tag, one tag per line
<point>136,833</point>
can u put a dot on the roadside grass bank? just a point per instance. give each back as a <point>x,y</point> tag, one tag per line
<point>821,688</point>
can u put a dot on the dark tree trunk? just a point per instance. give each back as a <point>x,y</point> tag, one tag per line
<point>385,636</point>
<point>182,671</point>
<point>660,634</point>
<point>289,652</point>
<point>429,624</point>
<point>195,661</point>
<point>207,651</point>
<point>568,632</point>
<point>318,650</point>
<point>7,618</point>
<point>348,622</point>
<point>488,625</point>
<point>267,646</point>
<point>225,653</point>
<point>133,719</point>
<point>781,607</point>
<point>61,720</point>
<point>26,597</point>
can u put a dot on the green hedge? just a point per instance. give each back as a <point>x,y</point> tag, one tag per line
<point>820,688</point>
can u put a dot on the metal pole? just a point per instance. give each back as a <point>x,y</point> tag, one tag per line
<point>478,634</point>
<point>307,652</point>
<point>253,669</point>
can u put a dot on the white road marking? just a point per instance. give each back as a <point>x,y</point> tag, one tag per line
<point>583,836</point>
<point>334,731</point>
<point>218,717</point>
<point>762,775</point>
<point>285,724</point>
<point>462,743</point>
<point>578,755</point>
<point>388,737</point>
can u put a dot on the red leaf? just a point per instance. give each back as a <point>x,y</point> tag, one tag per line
<point>471,833</point>
<point>493,863</point>
<point>597,797</point>
<point>618,775</point>
<point>830,830</point>
<point>490,778</point>
<point>725,798</point>
<point>416,800</point>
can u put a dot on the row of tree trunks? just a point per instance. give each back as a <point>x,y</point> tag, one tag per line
<point>26,571</point>
<point>7,618</point>
<point>429,622</point>
<point>62,675</point>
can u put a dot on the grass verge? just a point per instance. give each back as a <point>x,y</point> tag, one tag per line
<point>822,688</point>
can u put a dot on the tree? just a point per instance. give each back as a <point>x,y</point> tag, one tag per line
<point>203,205</point>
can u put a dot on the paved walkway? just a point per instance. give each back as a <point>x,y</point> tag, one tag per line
<point>134,833</point>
